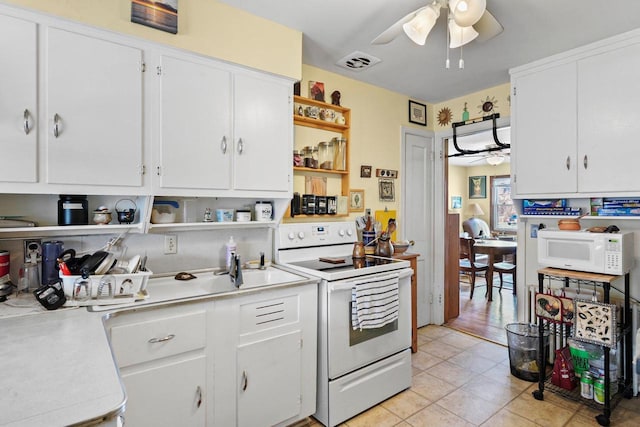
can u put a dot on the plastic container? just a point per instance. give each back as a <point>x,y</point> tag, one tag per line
<point>523,342</point>
<point>263,210</point>
<point>224,215</point>
<point>73,210</point>
<point>243,215</point>
<point>164,211</point>
<point>231,250</point>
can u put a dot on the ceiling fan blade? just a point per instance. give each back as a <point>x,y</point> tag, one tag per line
<point>488,27</point>
<point>393,31</point>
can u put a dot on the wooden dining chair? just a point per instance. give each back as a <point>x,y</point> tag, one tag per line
<point>468,262</point>
<point>506,267</point>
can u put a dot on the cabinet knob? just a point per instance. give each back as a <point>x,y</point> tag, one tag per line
<point>585,161</point>
<point>568,162</point>
<point>223,145</point>
<point>27,122</point>
<point>56,125</point>
<point>240,146</point>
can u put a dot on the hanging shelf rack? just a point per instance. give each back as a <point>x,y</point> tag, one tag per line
<point>463,152</point>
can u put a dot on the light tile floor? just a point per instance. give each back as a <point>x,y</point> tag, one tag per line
<point>461,380</point>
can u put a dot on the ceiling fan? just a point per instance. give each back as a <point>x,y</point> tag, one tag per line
<point>468,20</point>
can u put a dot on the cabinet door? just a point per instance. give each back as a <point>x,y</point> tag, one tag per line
<point>269,377</point>
<point>18,108</point>
<point>94,106</point>
<point>195,125</point>
<point>608,127</point>
<point>263,134</point>
<point>167,395</point>
<point>544,131</point>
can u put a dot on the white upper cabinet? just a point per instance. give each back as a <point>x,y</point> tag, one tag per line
<point>222,130</point>
<point>195,125</point>
<point>608,125</point>
<point>574,131</point>
<point>93,111</point>
<point>18,100</point>
<point>543,127</point>
<point>263,134</point>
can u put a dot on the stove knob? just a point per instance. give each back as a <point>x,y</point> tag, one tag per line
<point>341,233</point>
<point>291,235</point>
<point>349,232</point>
<point>301,234</point>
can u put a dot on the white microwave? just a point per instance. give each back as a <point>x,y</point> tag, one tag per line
<point>605,253</point>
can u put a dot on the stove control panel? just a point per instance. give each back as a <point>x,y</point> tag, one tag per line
<point>315,234</point>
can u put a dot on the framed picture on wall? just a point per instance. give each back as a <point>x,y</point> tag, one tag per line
<point>356,200</point>
<point>477,187</point>
<point>456,202</point>
<point>159,15</point>
<point>417,113</point>
<point>387,190</point>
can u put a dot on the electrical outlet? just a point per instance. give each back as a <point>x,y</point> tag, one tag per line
<point>170,244</point>
<point>32,249</point>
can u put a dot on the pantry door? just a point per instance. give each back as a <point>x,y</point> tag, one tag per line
<point>417,211</point>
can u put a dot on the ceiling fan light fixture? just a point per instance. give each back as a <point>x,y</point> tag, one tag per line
<point>420,26</point>
<point>495,160</point>
<point>459,36</point>
<point>467,12</point>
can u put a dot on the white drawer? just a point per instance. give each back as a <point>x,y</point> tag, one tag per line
<point>159,337</point>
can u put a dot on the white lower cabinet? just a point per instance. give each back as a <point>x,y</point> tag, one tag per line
<point>265,357</point>
<point>162,358</point>
<point>169,394</point>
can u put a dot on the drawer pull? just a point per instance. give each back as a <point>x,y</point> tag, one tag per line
<point>56,125</point>
<point>163,339</point>
<point>27,122</point>
<point>245,380</point>
<point>199,394</point>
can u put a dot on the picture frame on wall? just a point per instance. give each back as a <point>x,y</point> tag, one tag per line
<point>356,200</point>
<point>387,190</point>
<point>417,113</point>
<point>316,90</point>
<point>477,187</point>
<point>159,15</point>
<point>365,171</point>
<point>456,202</point>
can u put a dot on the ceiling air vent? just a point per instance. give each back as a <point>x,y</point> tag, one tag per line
<point>358,61</point>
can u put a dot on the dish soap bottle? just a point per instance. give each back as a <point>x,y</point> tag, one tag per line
<point>231,250</point>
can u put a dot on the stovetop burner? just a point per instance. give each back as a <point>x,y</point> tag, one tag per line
<point>336,264</point>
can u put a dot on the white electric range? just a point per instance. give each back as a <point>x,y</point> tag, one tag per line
<point>357,368</point>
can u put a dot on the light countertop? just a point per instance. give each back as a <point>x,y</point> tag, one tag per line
<point>58,368</point>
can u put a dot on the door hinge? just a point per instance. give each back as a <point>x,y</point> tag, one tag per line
<point>143,170</point>
<point>159,70</point>
<point>439,298</point>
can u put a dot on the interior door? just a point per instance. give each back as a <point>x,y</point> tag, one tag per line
<point>417,211</point>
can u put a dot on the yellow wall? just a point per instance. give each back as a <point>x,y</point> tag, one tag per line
<point>377,116</point>
<point>207,27</point>
<point>498,95</point>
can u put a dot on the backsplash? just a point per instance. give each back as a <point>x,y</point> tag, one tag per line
<point>195,249</point>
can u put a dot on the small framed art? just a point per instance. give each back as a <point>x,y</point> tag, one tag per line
<point>387,190</point>
<point>477,187</point>
<point>456,202</point>
<point>160,15</point>
<point>365,171</point>
<point>356,200</point>
<point>417,113</point>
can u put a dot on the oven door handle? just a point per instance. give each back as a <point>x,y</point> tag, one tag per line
<point>348,285</point>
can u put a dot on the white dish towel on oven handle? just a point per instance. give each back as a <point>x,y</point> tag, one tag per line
<point>374,301</point>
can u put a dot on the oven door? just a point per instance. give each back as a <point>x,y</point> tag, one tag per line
<point>350,349</point>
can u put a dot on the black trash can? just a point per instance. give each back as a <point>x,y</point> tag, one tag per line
<point>523,350</point>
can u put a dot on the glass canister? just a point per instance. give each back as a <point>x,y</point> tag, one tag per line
<point>310,157</point>
<point>325,155</point>
<point>339,154</point>
<point>298,160</point>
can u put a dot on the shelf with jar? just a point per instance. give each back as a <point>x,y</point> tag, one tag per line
<point>321,148</point>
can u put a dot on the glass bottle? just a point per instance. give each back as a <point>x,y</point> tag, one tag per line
<point>339,154</point>
<point>325,155</point>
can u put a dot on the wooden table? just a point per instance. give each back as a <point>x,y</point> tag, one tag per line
<point>493,248</point>
<point>413,260</point>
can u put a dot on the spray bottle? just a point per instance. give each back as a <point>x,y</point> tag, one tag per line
<point>231,250</point>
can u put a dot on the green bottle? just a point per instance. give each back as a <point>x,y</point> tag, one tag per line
<point>465,113</point>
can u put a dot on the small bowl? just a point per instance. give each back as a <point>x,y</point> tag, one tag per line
<point>400,247</point>
<point>569,224</point>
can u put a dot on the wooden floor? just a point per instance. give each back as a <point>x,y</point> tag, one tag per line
<point>482,318</point>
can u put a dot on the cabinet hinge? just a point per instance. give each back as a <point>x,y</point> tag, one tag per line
<point>514,91</point>
<point>300,343</point>
<point>158,171</point>
<point>143,67</point>
<point>159,70</point>
<point>143,170</point>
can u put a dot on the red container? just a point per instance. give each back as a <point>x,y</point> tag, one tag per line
<point>4,262</point>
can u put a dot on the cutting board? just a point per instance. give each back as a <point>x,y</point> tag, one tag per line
<point>383,218</point>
